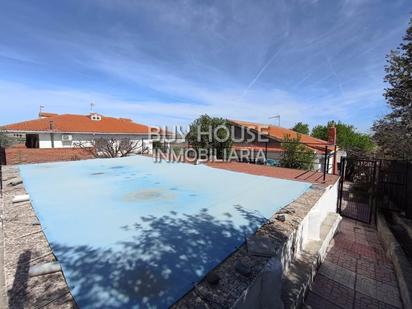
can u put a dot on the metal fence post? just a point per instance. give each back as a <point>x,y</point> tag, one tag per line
<point>372,193</point>
<point>341,180</point>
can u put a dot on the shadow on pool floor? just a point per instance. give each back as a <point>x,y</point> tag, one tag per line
<point>159,265</point>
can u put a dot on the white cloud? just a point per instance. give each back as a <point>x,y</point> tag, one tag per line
<point>17,101</point>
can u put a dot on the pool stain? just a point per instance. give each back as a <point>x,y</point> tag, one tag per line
<point>116,167</point>
<point>149,194</point>
<point>98,173</point>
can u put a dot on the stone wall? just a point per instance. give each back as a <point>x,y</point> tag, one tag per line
<point>25,249</point>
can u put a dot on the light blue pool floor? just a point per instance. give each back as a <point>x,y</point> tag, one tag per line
<point>132,233</point>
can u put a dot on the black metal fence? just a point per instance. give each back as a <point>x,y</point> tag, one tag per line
<point>394,186</point>
<point>369,184</point>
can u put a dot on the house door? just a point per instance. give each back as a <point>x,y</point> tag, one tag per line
<point>32,140</point>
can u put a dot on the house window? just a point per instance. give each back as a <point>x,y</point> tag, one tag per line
<point>95,117</point>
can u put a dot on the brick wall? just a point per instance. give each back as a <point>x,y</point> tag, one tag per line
<point>21,155</point>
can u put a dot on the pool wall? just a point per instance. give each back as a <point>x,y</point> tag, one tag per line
<point>299,233</point>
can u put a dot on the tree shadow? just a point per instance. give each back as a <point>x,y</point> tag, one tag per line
<point>17,295</point>
<point>159,265</point>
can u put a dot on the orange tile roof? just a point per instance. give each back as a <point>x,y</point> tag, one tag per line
<point>257,148</point>
<point>69,123</point>
<point>278,133</point>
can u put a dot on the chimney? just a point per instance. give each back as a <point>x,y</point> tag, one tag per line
<point>332,135</point>
<point>332,141</point>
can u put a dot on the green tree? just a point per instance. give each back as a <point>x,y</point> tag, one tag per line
<point>321,131</point>
<point>301,127</point>
<point>5,139</point>
<point>347,137</point>
<point>210,133</point>
<point>295,154</point>
<point>393,133</point>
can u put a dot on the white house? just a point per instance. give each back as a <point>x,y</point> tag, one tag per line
<point>69,130</point>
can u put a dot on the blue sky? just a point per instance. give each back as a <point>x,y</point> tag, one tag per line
<point>166,62</point>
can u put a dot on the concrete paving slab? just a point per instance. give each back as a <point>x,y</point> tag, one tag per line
<point>356,273</point>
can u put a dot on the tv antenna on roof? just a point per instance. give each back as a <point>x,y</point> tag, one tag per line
<point>91,107</point>
<point>274,117</point>
<point>41,108</point>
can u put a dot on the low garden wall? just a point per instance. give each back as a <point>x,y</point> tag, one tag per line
<point>22,155</point>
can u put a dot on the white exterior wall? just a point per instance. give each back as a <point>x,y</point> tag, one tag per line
<point>317,163</point>
<point>45,139</point>
<point>311,224</point>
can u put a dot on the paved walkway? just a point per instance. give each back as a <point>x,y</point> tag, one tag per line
<point>355,273</point>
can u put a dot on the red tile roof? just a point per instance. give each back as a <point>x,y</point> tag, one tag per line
<point>69,123</point>
<point>278,133</point>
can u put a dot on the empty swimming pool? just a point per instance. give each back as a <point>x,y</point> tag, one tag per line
<point>133,233</point>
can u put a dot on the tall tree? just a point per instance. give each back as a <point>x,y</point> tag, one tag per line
<point>302,128</point>
<point>347,137</point>
<point>210,133</point>
<point>321,131</point>
<point>393,133</point>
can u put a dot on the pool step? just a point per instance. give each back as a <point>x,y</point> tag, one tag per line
<point>302,270</point>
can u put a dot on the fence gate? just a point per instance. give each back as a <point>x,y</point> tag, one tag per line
<point>356,188</point>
